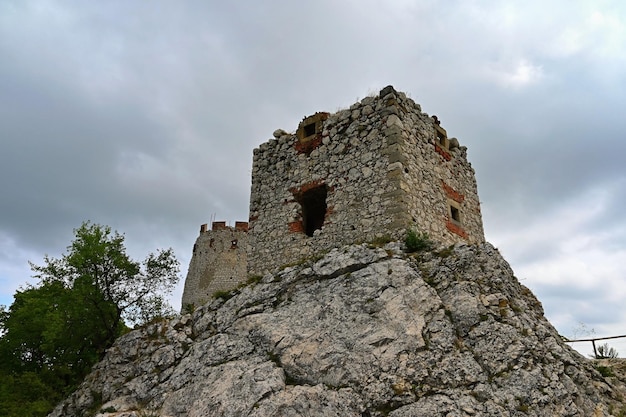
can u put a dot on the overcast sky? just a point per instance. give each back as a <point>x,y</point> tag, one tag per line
<point>143,115</point>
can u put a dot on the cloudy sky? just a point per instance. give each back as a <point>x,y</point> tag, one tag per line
<point>143,116</point>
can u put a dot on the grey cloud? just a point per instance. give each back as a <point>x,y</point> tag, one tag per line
<point>143,116</point>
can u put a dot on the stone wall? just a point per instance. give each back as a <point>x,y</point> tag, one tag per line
<point>218,262</point>
<point>364,173</point>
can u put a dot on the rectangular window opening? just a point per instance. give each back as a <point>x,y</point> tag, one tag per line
<point>455,214</point>
<point>309,129</point>
<point>313,203</point>
<point>441,138</point>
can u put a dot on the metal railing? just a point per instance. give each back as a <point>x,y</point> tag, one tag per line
<point>593,342</point>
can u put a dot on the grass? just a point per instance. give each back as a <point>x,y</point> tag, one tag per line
<point>253,279</point>
<point>380,241</point>
<point>189,308</point>
<point>224,295</point>
<point>605,371</point>
<point>303,261</point>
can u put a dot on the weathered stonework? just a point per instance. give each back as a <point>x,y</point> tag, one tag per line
<point>368,172</point>
<point>218,262</point>
<point>364,173</point>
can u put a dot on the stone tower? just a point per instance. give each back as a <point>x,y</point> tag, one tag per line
<point>368,172</point>
<point>365,173</point>
<point>218,262</point>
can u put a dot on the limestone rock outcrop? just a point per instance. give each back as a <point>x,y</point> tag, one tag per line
<point>363,331</point>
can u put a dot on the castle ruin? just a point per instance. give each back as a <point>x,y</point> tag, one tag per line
<point>361,174</point>
<point>218,262</point>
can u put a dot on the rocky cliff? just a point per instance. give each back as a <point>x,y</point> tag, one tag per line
<point>363,331</point>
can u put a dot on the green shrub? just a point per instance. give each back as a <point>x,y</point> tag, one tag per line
<point>416,241</point>
<point>606,352</point>
<point>189,308</point>
<point>605,371</point>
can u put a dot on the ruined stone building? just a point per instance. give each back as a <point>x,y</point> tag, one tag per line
<point>361,174</point>
<point>218,262</point>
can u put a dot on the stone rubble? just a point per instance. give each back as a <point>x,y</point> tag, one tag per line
<point>363,331</point>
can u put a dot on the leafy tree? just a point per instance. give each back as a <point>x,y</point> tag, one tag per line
<point>54,332</point>
<point>98,267</point>
<point>26,395</point>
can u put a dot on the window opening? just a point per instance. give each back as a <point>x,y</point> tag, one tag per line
<point>313,204</point>
<point>441,138</point>
<point>455,214</point>
<point>309,129</point>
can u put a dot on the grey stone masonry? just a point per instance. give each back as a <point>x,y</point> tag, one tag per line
<point>218,262</point>
<point>364,173</point>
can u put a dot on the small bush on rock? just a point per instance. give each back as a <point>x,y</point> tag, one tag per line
<point>605,371</point>
<point>606,352</point>
<point>417,241</point>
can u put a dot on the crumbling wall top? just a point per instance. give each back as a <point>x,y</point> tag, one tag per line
<point>221,225</point>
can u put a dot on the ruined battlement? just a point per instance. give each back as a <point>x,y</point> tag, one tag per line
<point>242,226</point>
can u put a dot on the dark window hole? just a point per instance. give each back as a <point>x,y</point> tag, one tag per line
<point>441,138</point>
<point>455,214</point>
<point>313,204</point>
<point>309,129</point>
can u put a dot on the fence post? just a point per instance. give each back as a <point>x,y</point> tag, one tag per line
<point>595,353</point>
